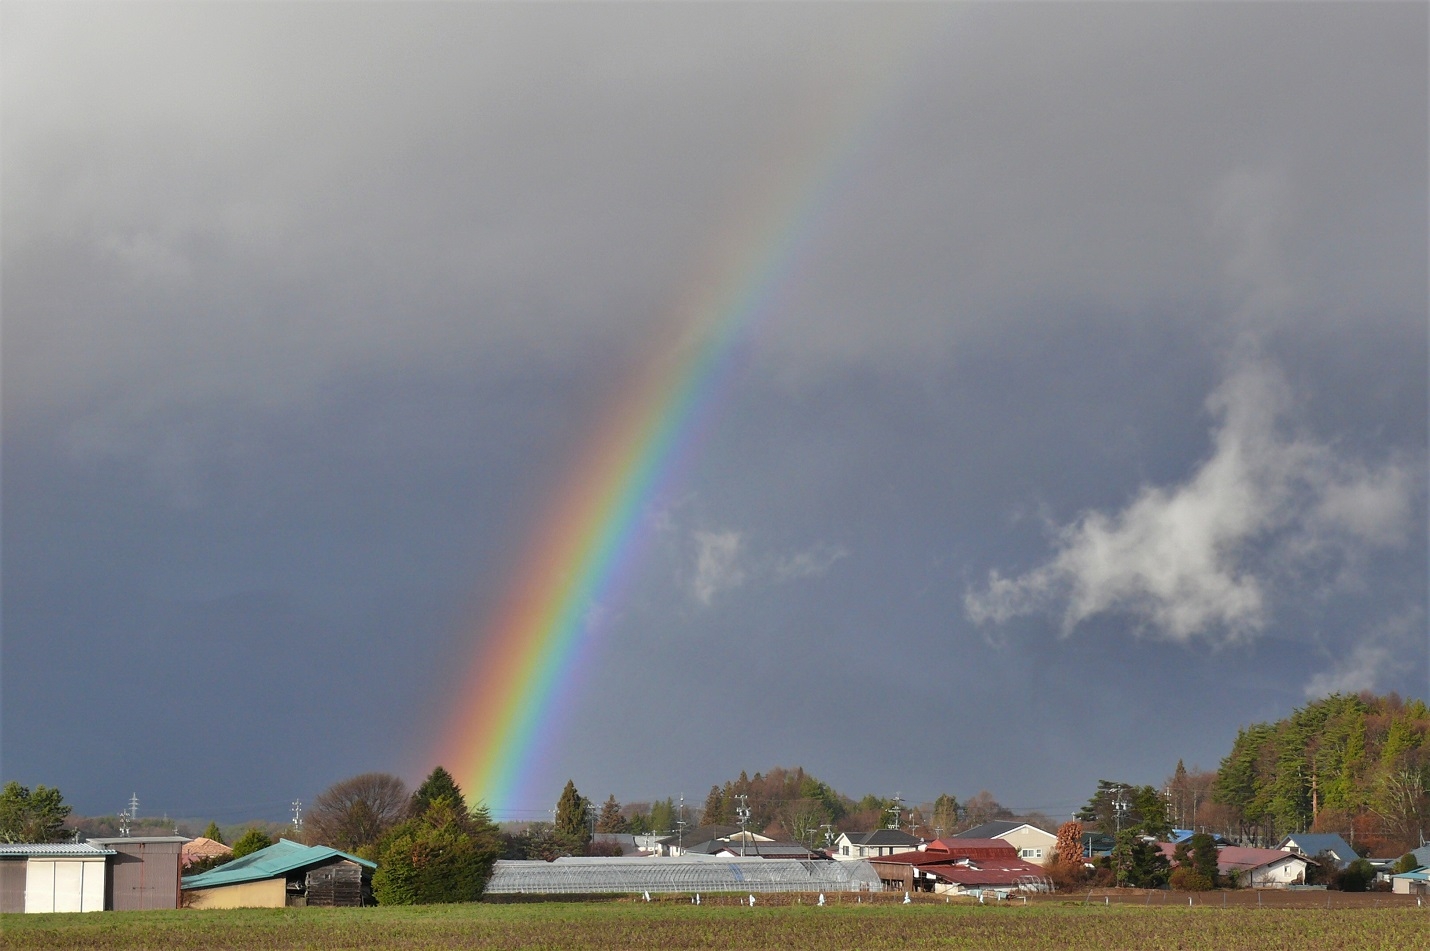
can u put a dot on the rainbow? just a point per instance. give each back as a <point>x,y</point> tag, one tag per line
<point>591,536</point>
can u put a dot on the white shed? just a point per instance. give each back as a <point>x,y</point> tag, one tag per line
<point>52,877</point>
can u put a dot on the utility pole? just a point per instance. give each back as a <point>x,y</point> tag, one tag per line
<point>297,815</point>
<point>896,811</point>
<point>742,812</point>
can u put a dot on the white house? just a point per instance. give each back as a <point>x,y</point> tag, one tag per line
<point>1033,844</point>
<point>851,846</point>
<point>1262,868</point>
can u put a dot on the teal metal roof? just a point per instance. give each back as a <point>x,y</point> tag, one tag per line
<point>280,858</point>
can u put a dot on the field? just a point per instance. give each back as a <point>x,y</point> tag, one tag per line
<point>1139,920</point>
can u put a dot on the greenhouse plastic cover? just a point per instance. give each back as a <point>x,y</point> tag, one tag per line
<point>680,874</point>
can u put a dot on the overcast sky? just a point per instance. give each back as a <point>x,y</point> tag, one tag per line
<point>1087,422</point>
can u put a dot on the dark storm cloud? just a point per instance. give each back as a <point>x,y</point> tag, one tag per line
<point>305,306</point>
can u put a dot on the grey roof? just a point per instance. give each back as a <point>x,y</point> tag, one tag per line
<point>699,834</point>
<point>883,837</point>
<point>989,830</point>
<point>1311,844</point>
<point>138,839</point>
<point>43,849</point>
<point>752,848</point>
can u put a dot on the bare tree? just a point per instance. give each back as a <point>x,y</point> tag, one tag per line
<point>356,812</point>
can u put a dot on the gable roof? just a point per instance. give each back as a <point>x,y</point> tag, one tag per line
<point>280,858</point>
<point>700,834</point>
<point>883,837</point>
<point>1235,858</point>
<point>946,851</point>
<point>998,828</point>
<point>1314,843</point>
<point>203,847</point>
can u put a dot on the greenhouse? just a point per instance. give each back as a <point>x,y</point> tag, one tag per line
<point>682,874</point>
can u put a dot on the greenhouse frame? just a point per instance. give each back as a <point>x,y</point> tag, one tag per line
<point>680,874</point>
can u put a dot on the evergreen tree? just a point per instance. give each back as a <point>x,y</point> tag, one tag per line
<point>27,816</point>
<point>444,855</point>
<point>610,820</point>
<point>212,832</point>
<point>662,816</point>
<point>573,815</point>
<point>251,841</point>
<point>714,811</point>
<point>1204,857</point>
<point>438,785</point>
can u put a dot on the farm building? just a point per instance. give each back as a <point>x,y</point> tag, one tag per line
<point>955,866</point>
<point>144,872</point>
<point>56,877</point>
<point>685,874</point>
<point>284,874</point>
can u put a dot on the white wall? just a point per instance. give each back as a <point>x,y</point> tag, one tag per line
<point>69,884</point>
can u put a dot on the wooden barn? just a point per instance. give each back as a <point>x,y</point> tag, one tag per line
<point>285,874</point>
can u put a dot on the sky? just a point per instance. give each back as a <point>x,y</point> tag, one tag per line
<point>1077,420</point>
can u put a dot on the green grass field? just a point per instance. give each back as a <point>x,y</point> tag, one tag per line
<point>665,925</point>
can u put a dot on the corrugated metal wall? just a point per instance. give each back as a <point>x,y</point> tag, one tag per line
<point>144,875</point>
<point>12,885</point>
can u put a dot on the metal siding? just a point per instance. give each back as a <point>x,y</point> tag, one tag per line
<point>12,886</point>
<point>145,875</point>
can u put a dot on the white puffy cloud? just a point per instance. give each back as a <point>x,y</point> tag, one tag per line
<point>1201,558</point>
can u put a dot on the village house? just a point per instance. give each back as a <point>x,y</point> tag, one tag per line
<point>1033,844</point>
<point>1312,844</point>
<point>957,866</point>
<point>851,846</point>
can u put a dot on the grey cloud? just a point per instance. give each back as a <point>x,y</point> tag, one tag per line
<point>717,564</point>
<point>1375,653</point>
<point>724,561</point>
<point>1198,559</point>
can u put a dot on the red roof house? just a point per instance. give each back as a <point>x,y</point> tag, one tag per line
<point>959,865</point>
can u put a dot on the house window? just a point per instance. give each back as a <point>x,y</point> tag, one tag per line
<point>863,851</point>
<point>844,850</point>
<point>1032,853</point>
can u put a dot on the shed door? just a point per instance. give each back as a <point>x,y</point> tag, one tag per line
<point>54,886</point>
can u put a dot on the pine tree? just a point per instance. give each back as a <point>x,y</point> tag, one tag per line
<point>610,819</point>
<point>27,816</point>
<point>251,841</point>
<point>439,785</point>
<point>714,811</point>
<point>573,815</point>
<point>212,832</point>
